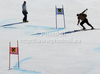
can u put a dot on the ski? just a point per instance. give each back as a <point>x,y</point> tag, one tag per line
<point>84,30</point>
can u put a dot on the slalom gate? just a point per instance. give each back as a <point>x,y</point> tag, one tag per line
<point>13,51</point>
<point>60,11</point>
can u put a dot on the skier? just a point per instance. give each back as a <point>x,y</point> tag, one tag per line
<point>82,17</point>
<point>24,11</point>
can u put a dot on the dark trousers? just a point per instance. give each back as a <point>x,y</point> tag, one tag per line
<point>86,21</point>
<point>25,15</point>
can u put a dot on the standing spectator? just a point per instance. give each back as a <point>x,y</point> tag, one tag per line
<point>24,11</point>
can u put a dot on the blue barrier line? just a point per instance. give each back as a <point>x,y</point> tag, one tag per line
<point>97,49</point>
<point>40,27</point>
<point>26,71</point>
<point>45,28</point>
<point>53,31</point>
<point>92,65</point>
<point>48,32</point>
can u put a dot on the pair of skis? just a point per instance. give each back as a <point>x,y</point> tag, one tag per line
<point>84,29</point>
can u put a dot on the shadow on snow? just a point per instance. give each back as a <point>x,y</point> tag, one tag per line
<point>71,32</point>
<point>12,24</point>
<point>74,31</point>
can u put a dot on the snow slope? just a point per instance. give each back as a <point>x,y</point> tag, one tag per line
<point>44,49</point>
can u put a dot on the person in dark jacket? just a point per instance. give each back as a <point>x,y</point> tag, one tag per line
<point>82,17</point>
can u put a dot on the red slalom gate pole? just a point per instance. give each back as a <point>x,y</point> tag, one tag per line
<point>18,53</point>
<point>9,53</point>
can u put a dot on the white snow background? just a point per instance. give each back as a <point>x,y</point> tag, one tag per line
<point>44,49</point>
